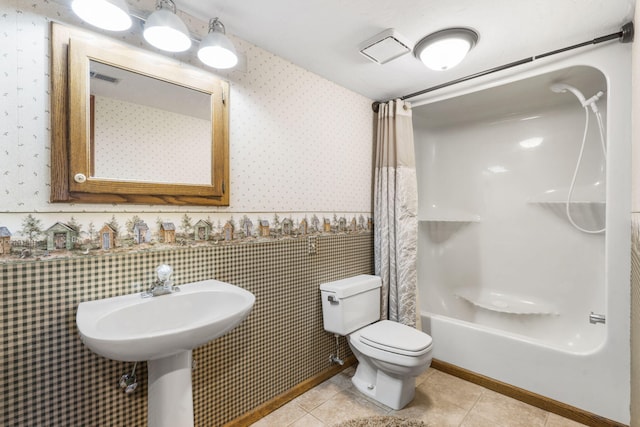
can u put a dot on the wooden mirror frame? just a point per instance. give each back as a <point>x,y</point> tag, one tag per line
<point>71,146</point>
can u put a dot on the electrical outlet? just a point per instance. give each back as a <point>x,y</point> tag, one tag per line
<point>312,245</point>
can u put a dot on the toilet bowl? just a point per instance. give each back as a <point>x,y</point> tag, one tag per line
<point>393,364</point>
<point>390,355</point>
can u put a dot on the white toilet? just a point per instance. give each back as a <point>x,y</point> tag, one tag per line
<point>390,355</point>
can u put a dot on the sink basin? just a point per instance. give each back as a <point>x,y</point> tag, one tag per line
<point>131,328</point>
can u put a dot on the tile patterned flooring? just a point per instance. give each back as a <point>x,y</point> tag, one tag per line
<point>442,400</point>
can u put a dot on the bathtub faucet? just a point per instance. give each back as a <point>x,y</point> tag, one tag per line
<point>163,284</point>
<point>596,318</point>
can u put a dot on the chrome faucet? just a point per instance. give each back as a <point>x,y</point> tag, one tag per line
<point>163,284</point>
<point>597,318</point>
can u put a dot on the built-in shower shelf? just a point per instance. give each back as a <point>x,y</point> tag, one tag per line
<point>587,214</point>
<point>447,215</point>
<point>505,303</point>
<point>576,203</point>
<point>476,219</point>
<point>441,230</point>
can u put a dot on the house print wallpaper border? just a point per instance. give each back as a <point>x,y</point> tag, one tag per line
<point>73,239</point>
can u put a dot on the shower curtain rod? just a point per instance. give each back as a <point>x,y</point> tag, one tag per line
<point>625,35</point>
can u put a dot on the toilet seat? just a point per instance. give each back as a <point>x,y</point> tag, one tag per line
<point>394,337</point>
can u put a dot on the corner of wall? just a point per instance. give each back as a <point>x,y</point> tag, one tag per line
<point>635,320</point>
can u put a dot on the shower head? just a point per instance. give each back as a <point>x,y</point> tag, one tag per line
<point>562,87</point>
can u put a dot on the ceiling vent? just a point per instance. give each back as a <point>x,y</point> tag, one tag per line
<point>385,47</point>
<point>104,77</point>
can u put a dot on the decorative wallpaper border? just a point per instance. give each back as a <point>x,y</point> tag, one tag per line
<point>38,240</point>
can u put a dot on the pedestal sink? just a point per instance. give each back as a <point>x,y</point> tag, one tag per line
<point>163,330</point>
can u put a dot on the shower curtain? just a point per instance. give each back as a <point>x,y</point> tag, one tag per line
<point>395,212</point>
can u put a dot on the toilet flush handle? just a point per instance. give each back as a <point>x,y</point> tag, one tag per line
<point>333,300</point>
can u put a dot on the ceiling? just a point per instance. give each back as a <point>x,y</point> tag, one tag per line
<point>514,100</point>
<point>324,36</point>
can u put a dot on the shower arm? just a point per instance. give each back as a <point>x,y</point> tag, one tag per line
<point>625,35</point>
<point>591,102</point>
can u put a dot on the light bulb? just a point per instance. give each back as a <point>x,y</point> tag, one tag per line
<point>445,54</point>
<point>112,15</point>
<point>217,51</point>
<point>446,48</point>
<point>166,31</point>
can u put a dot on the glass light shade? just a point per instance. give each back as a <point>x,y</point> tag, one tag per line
<point>445,49</point>
<point>444,54</point>
<point>112,15</point>
<point>217,51</point>
<point>166,31</point>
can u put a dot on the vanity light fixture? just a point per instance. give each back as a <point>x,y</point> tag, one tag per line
<point>446,48</point>
<point>216,50</point>
<point>165,30</point>
<point>112,15</point>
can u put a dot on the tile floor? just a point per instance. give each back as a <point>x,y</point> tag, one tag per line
<point>442,400</point>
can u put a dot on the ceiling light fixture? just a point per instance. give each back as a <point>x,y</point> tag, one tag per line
<point>165,30</point>
<point>445,49</point>
<point>216,50</point>
<point>112,15</point>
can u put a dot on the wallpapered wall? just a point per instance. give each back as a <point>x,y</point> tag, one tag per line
<point>300,145</point>
<point>50,379</point>
<point>121,148</point>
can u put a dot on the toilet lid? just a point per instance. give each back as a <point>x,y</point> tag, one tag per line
<point>396,337</point>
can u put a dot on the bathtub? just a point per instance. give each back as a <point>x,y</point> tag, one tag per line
<point>508,288</point>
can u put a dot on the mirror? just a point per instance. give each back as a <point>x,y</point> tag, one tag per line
<point>136,120</point>
<point>131,126</point>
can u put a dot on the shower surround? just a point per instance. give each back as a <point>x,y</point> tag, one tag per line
<point>508,287</point>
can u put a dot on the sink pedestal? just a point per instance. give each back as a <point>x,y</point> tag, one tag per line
<point>129,327</point>
<point>170,397</point>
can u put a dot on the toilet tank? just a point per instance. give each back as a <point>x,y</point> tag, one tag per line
<point>350,304</point>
